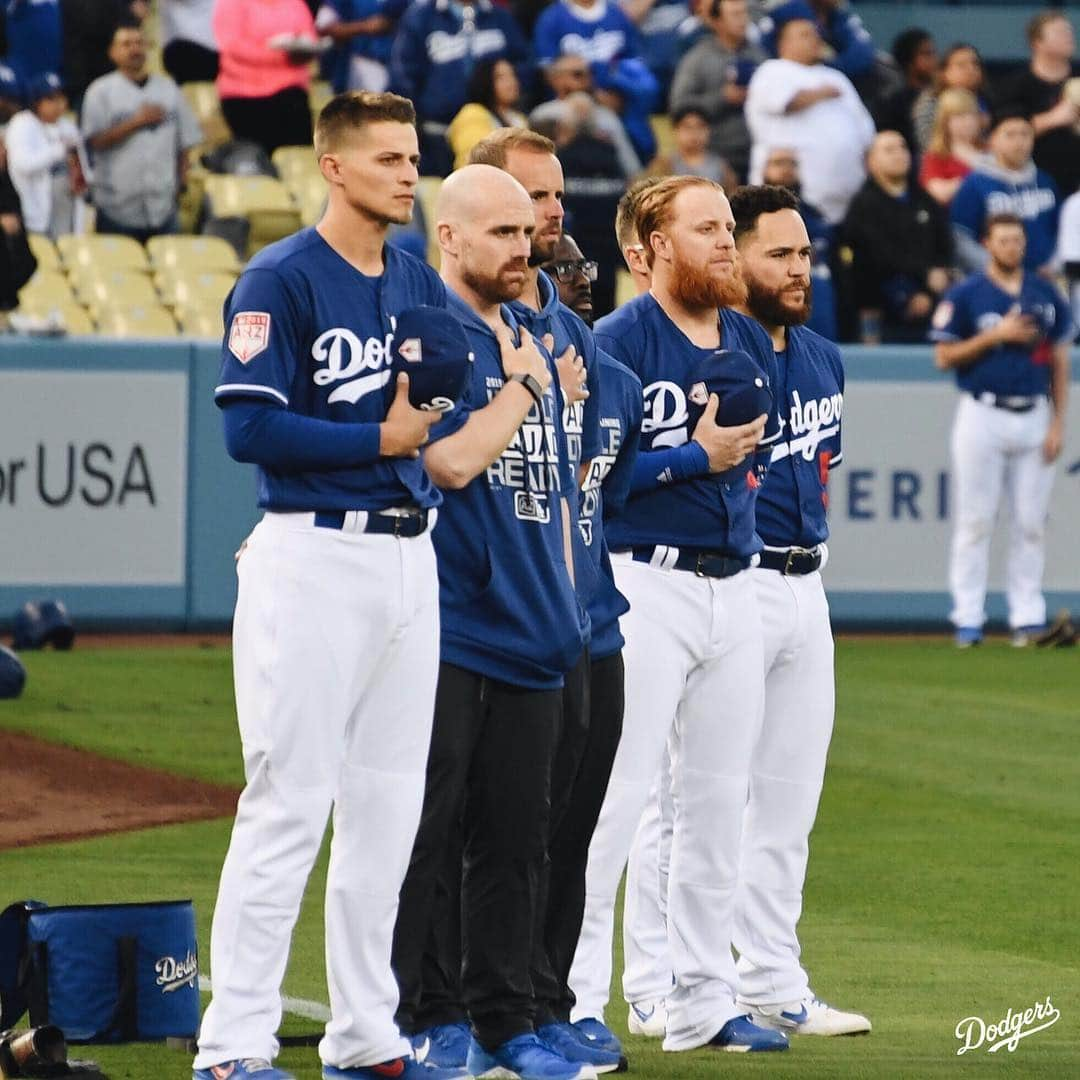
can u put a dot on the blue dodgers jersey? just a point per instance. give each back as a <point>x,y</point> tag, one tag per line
<point>793,502</point>
<point>977,304</point>
<point>307,331</point>
<point>609,36</point>
<point>710,512</point>
<point>604,492</point>
<point>508,609</point>
<point>566,328</point>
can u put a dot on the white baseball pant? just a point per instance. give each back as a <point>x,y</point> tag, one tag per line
<point>693,681</point>
<point>785,788</point>
<point>335,657</point>
<point>995,451</point>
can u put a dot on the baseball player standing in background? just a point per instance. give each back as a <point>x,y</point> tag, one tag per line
<point>1006,333</point>
<point>788,767</point>
<point>510,632</point>
<point>336,633</point>
<point>693,635</point>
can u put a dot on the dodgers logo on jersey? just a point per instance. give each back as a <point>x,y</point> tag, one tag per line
<point>249,334</point>
<point>346,358</point>
<point>666,413</point>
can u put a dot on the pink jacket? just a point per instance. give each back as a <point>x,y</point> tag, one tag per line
<point>249,68</point>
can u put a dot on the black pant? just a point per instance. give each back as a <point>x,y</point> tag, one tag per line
<point>587,747</point>
<point>282,119</point>
<point>187,62</point>
<point>489,769</point>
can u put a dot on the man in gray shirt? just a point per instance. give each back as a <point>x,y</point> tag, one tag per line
<point>712,77</point>
<point>139,129</point>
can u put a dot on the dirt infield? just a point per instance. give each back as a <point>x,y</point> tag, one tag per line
<point>55,792</point>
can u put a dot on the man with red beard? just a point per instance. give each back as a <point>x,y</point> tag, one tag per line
<point>694,669</point>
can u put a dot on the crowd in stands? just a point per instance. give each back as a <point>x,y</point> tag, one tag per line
<point>898,156</point>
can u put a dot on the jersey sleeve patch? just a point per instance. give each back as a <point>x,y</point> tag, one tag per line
<point>249,334</point>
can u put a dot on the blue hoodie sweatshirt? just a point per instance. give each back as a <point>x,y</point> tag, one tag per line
<point>437,45</point>
<point>507,607</point>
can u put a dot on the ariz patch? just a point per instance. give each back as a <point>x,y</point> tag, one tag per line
<point>249,334</point>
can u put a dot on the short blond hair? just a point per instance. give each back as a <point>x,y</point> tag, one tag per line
<point>349,112</point>
<point>494,148</point>
<point>656,206</point>
<point>626,213</point>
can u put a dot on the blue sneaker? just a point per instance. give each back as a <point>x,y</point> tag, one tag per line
<point>402,1068</point>
<point>966,636</point>
<point>568,1041</point>
<point>241,1068</point>
<point>596,1031</point>
<point>526,1057</point>
<point>741,1035</point>
<point>445,1045</point>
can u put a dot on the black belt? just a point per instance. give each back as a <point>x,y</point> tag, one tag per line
<point>411,522</point>
<point>702,563</point>
<point>792,561</point>
<point>1010,403</point>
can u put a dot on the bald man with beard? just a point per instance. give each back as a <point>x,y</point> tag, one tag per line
<point>509,633</point>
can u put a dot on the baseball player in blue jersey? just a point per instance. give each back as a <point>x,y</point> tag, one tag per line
<point>1006,333</point>
<point>336,629</point>
<point>511,629</point>
<point>680,549</point>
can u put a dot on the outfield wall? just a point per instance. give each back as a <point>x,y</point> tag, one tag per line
<point>116,494</point>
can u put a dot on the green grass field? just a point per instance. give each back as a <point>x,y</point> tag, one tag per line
<point>944,876</point>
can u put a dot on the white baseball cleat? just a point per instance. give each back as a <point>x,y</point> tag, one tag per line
<point>648,1017</point>
<point>809,1017</point>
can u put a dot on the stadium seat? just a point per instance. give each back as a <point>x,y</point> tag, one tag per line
<point>663,132</point>
<point>309,195</point>
<point>295,163</point>
<point>206,105</point>
<point>321,92</point>
<point>182,286</point>
<point>137,321</point>
<point>624,286</point>
<point>262,200</point>
<point>47,286</point>
<point>100,250</point>
<point>209,253</point>
<point>75,318</point>
<point>427,194</point>
<point>201,322</point>
<point>48,258</point>
<point>109,288</point>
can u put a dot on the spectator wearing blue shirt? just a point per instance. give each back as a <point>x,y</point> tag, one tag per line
<point>437,44</point>
<point>602,33</point>
<point>842,30</point>
<point>363,33</point>
<point>34,38</point>
<point>1007,183</point>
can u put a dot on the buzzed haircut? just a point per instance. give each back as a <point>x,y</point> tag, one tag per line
<point>655,208</point>
<point>1040,21</point>
<point>494,148</point>
<point>749,202</point>
<point>348,112</point>
<point>1003,218</point>
<point>626,211</point>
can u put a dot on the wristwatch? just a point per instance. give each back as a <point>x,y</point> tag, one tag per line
<point>531,383</point>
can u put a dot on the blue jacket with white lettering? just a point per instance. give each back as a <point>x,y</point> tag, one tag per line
<point>508,609</point>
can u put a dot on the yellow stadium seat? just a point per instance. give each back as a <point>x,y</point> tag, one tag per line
<point>100,250</point>
<point>48,258</point>
<point>427,194</point>
<point>295,163</point>
<point>664,133</point>
<point>201,322</point>
<point>206,105</point>
<point>104,289</point>
<point>321,92</point>
<point>309,195</point>
<point>264,201</point>
<point>74,317</point>
<point>137,321</point>
<point>182,286</point>
<point>47,285</point>
<point>209,253</point>
<point>624,286</point>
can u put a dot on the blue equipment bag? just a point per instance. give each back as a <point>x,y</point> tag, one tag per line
<point>111,972</point>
